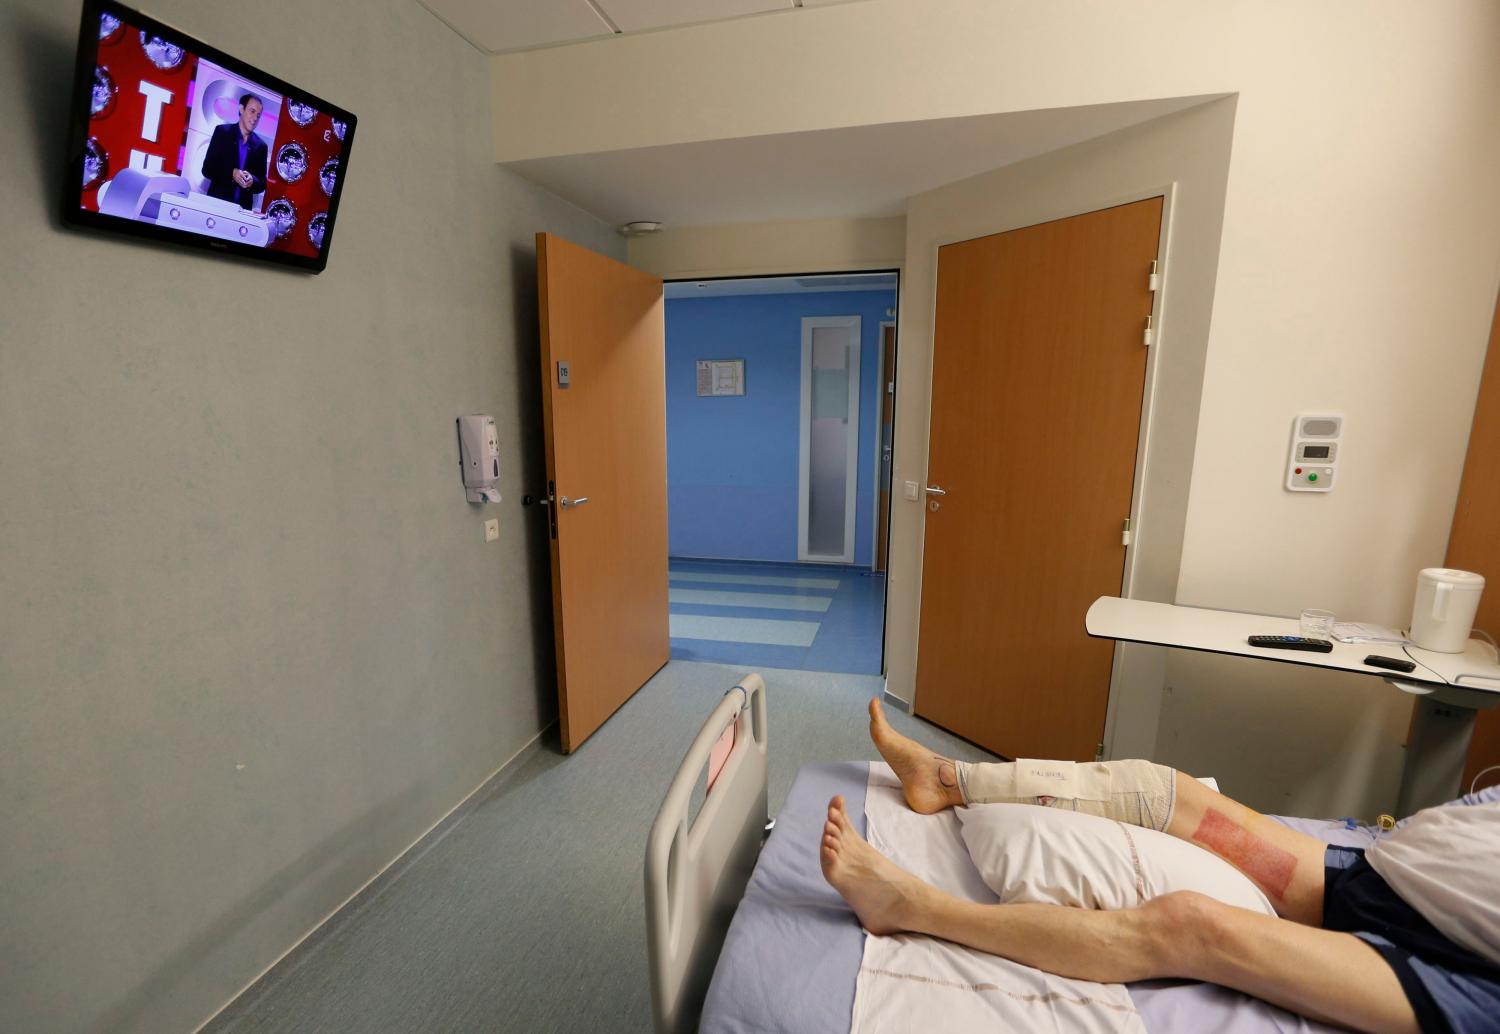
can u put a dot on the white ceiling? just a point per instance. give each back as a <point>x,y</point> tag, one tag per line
<point>863,171</point>
<point>780,285</point>
<point>501,26</point>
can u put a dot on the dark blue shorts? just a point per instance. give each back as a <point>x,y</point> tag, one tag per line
<point>1450,988</point>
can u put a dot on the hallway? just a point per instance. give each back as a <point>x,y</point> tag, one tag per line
<point>810,617</point>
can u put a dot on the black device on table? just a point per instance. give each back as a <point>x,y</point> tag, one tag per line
<point>1393,663</point>
<point>1291,642</point>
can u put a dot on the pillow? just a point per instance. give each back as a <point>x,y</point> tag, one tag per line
<point>1485,795</point>
<point>1059,857</point>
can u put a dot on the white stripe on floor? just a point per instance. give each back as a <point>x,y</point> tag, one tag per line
<point>785,582</point>
<point>744,630</point>
<point>765,600</point>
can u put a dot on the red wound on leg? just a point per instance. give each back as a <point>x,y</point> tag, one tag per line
<point>1262,861</point>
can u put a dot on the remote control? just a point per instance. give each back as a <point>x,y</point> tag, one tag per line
<point>1291,642</point>
<point>1393,663</point>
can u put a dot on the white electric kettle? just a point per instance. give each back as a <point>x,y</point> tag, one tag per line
<point>1443,614</point>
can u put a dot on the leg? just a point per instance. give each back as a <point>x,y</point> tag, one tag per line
<point>1285,864</point>
<point>1318,973</point>
<point>1137,792</point>
<point>930,781</point>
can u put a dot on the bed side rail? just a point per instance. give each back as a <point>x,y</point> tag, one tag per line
<point>696,872</point>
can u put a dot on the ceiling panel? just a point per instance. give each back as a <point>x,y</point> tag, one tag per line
<point>636,15</point>
<point>500,25</point>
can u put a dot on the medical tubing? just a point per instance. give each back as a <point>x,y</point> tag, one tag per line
<point>1480,775</point>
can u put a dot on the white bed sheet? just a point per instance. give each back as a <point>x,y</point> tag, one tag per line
<point>906,979</point>
<point>794,948</point>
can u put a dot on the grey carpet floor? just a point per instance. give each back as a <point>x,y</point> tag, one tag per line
<point>525,911</point>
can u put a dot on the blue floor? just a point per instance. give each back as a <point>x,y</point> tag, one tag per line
<point>834,615</point>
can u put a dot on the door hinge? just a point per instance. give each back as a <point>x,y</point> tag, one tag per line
<point>1099,752</point>
<point>1125,531</point>
<point>1150,335</point>
<point>1153,279</point>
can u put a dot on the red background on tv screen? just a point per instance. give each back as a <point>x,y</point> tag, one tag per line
<point>306,195</point>
<point>119,127</point>
<point>119,130</point>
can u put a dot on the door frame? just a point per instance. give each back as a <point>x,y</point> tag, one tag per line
<point>804,443</point>
<point>1124,653</point>
<point>1145,664</point>
<point>875,482</point>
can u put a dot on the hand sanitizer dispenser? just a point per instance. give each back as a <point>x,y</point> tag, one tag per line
<point>479,458</point>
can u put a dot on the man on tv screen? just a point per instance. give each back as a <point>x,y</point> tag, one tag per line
<point>235,165</point>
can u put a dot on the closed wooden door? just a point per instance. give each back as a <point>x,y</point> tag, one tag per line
<point>1038,372</point>
<point>1474,544</point>
<point>606,443</point>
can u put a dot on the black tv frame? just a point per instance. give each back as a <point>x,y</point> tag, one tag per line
<point>74,214</point>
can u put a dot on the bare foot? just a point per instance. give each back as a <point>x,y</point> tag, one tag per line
<point>929,780</point>
<point>881,894</point>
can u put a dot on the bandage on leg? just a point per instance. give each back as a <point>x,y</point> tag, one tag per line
<point>1139,793</point>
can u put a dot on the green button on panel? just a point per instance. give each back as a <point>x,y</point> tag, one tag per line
<point>1312,477</point>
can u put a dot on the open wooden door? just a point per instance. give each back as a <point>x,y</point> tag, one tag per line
<point>1039,366</point>
<point>604,405</point>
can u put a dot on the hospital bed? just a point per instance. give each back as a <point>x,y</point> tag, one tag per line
<point>743,938</point>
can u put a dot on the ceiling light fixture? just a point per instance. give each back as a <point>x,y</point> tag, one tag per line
<point>639,228</point>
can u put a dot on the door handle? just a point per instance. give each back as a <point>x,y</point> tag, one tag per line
<point>570,503</point>
<point>934,490</point>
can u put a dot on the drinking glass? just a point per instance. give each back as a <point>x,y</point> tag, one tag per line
<point>1317,624</point>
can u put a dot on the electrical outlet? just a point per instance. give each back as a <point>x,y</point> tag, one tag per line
<point>492,529</point>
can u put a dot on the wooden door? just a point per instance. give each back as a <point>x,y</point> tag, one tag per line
<point>1038,373</point>
<point>606,440</point>
<point>1474,544</point>
<point>886,442</point>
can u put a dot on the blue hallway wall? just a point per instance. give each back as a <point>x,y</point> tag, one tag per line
<point>732,462</point>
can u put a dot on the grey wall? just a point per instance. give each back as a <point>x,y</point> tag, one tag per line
<point>252,643</point>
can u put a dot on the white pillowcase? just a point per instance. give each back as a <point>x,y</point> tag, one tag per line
<point>1054,856</point>
<point>1441,862</point>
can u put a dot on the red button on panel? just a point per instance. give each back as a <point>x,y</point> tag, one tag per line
<point>1298,470</point>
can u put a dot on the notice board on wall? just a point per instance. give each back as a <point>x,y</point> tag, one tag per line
<point>721,377</point>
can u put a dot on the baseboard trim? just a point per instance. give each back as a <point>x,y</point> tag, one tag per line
<point>392,870</point>
<point>892,700</point>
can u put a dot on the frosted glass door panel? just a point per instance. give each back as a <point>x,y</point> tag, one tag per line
<point>828,450</point>
<point>831,393</point>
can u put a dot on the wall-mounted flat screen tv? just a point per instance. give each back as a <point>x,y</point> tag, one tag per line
<point>175,140</point>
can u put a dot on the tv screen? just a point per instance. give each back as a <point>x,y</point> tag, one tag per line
<point>174,140</point>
